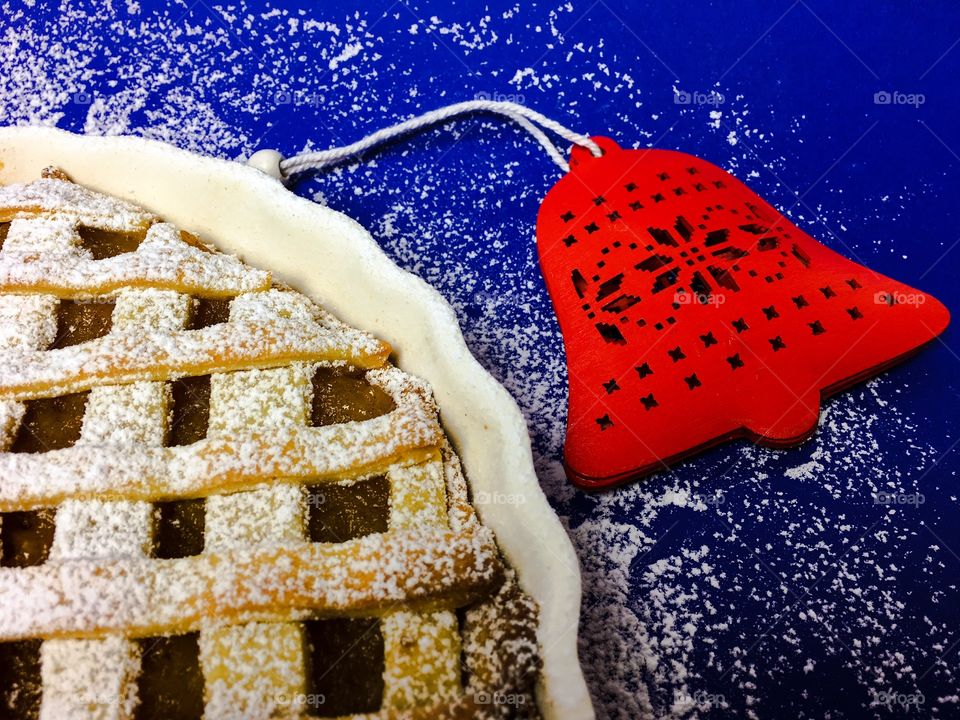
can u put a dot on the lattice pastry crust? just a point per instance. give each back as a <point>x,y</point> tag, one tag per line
<point>326,494</point>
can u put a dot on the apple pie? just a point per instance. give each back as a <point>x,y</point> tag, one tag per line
<point>217,500</point>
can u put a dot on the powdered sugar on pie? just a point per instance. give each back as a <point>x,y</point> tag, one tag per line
<point>127,358</point>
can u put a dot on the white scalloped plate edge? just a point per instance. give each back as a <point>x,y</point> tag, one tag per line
<point>332,258</point>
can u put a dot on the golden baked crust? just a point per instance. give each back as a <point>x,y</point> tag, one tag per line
<point>134,408</point>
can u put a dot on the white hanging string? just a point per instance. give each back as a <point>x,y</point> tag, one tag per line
<point>529,120</point>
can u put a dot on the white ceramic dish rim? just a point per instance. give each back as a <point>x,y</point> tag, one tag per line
<point>333,259</point>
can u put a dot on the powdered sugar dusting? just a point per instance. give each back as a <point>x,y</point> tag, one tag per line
<point>825,577</point>
<point>664,631</point>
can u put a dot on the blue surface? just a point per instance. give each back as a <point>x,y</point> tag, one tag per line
<point>747,582</point>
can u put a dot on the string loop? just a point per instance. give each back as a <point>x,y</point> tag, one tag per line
<point>531,121</point>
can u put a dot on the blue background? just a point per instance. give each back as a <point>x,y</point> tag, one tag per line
<point>746,582</point>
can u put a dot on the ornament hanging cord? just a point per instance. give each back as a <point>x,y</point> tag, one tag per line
<point>531,121</point>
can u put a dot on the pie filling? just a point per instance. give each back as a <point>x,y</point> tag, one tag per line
<point>81,320</point>
<point>50,424</point>
<point>106,243</point>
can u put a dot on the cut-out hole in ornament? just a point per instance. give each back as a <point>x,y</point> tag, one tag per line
<point>684,228</point>
<point>817,327</point>
<point>604,422</point>
<point>732,253</point>
<point>611,386</point>
<point>644,370</point>
<point>716,237</point>
<point>735,361</point>
<point>665,280</point>
<point>777,343</point>
<point>663,237</point>
<point>700,287</point>
<point>800,255</point>
<point>621,304</point>
<point>649,402</point>
<point>611,333</point>
<point>579,283</point>
<point>724,278</point>
<point>654,262</point>
<point>608,287</point>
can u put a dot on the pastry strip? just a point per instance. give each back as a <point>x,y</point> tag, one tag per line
<point>293,454</point>
<point>97,678</point>
<point>249,668</point>
<point>145,597</point>
<point>67,201</point>
<point>125,357</point>
<point>164,260</point>
<point>421,649</point>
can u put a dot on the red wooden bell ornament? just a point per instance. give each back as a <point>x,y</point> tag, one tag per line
<point>693,313</point>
